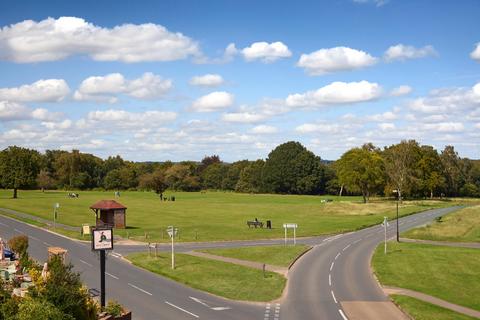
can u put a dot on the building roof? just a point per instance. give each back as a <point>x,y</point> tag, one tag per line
<point>107,205</point>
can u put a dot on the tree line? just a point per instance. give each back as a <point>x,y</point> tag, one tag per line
<point>411,169</point>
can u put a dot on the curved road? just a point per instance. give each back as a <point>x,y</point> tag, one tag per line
<point>332,281</point>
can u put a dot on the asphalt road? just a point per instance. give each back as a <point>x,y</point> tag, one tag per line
<point>334,272</point>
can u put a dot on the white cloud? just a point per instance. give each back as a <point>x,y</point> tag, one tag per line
<point>56,39</point>
<point>386,126</point>
<point>106,88</point>
<point>63,125</point>
<point>403,52</point>
<point>401,91</point>
<point>45,115</point>
<point>318,128</point>
<point>266,52</point>
<point>264,129</point>
<point>124,118</point>
<point>378,3</point>
<point>477,125</point>
<point>214,101</point>
<point>207,80</point>
<point>243,117</point>
<point>336,93</point>
<point>445,127</point>
<point>335,59</point>
<point>451,100</point>
<point>381,117</point>
<point>13,111</point>
<point>475,54</point>
<point>50,90</point>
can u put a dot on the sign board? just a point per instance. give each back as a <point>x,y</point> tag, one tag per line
<point>290,225</point>
<point>85,229</point>
<point>102,239</point>
<point>172,232</point>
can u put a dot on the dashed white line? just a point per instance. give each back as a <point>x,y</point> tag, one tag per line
<point>111,275</point>
<point>357,241</point>
<point>342,314</point>
<point>331,266</point>
<point>47,244</point>
<point>333,296</point>
<point>32,237</point>
<point>17,230</point>
<point>181,309</point>
<point>346,247</point>
<point>338,255</point>
<point>330,280</point>
<point>85,262</point>
<point>139,289</point>
<point>3,224</point>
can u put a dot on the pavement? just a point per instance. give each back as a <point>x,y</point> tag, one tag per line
<point>474,245</point>
<point>332,281</point>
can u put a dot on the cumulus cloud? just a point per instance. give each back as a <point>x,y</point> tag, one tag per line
<point>381,117</point>
<point>445,127</point>
<point>207,80</point>
<point>264,129</point>
<point>335,59</point>
<point>55,39</point>
<point>10,111</point>
<point>336,93</point>
<point>214,101</point>
<point>50,90</point>
<point>403,52</point>
<point>401,91</point>
<point>243,117</point>
<point>124,118</point>
<point>475,54</point>
<point>265,52</point>
<point>106,88</point>
<point>387,126</point>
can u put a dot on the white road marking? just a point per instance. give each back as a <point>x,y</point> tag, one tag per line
<point>85,262</point>
<point>357,241</point>
<point>338,255</point>
<point>181,309</point>
<point>32,237</point>
<point>116,255</point>
<point>333,296</point>
<point>111,275</point>
<point>17,230</point>
<point>220,308</point>
<point>3,224</point>
<point>139,289</point>
<point>330,280</point>
<point>346,247</point>
<point>47,244</point>
<point>342,314</point>
<point>200,301</point>
<point>331,266</point>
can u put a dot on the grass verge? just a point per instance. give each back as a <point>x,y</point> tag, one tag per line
<point>459,226</point>
<point>220,278</point>
<point>448,273</point>
<point>274,255</point>
<point>420,310</point>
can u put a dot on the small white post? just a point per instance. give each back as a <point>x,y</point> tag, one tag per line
<point>173,253</point>
<point>385,223</point>
<point>285,235</point>
<point>294,237</point>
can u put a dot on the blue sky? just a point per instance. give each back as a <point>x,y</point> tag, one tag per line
<point>178,80</point>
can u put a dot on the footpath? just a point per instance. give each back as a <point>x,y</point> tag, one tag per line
<point>22,215</point>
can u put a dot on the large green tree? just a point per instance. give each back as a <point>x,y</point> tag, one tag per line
<point>430,172</point>
<point>291,168</point>
<point>361,170</point>
<point>19,168</point>
<point>250,178</point>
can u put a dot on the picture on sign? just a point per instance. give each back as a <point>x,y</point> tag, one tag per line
<point>102,239</point>
<point>85,229</point>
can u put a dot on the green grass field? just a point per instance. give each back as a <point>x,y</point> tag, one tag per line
<point>420,310</point>
<point>462,225</point>
<point>217,277</point>
<point>216,215</point>
<point>274,255</point>
<point>448,273</point>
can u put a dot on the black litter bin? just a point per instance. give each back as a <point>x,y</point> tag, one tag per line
<point>269,224</point>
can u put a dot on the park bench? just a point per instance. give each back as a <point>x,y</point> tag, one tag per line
<point>255,224</point>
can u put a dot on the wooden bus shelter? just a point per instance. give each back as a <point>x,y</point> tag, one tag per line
<point>110,213</point>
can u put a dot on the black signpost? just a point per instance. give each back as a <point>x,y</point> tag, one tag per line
<point>102,239</point>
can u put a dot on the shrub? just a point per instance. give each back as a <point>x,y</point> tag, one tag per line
<point>114,308</point>
<point>19,245</point>
<point>36,309</point>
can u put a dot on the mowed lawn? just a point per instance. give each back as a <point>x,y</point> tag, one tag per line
<point>462,225</point>
<point>448,273</point>
<point>216,215</point>
<point>221,278</point>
